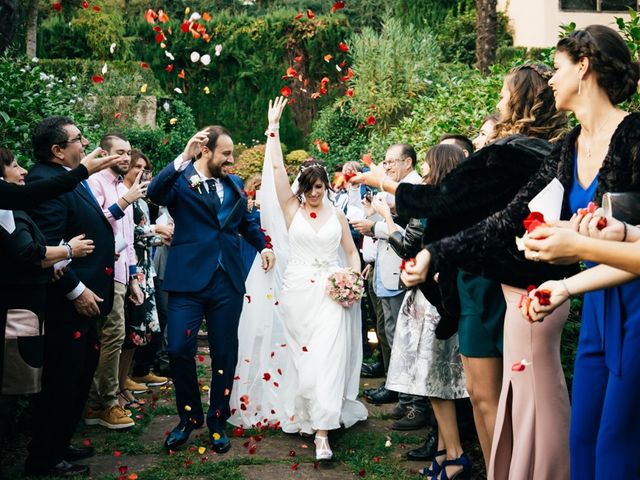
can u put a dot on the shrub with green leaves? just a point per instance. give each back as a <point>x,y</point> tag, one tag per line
<point>391,68</point>
<point>29,94</point>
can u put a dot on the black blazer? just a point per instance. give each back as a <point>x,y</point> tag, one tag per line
<point>65,217</point>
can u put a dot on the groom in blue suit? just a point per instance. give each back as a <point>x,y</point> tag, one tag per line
<point>205,275</point>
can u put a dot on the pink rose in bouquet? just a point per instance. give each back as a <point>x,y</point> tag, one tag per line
<point>345,287</point>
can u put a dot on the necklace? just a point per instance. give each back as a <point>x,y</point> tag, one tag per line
<point>587,145</point>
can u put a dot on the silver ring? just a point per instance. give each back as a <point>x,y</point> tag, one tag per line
<point>535,256</point>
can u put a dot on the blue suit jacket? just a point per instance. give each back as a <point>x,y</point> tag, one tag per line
<point>205,235</point>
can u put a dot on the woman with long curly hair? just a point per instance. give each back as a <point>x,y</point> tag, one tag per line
<point>476,189</point>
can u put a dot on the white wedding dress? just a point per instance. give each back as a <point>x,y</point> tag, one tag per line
<point>299,353</point>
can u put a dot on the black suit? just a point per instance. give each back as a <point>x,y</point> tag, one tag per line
<point>71,340</point>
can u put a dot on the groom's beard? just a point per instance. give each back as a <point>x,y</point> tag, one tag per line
<point>219,171</point>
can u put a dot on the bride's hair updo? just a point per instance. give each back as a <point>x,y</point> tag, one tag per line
<point>310,172</point>
<point>609,58</point>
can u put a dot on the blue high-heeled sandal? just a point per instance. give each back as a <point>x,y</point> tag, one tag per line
<point>462,461</point>
<point>435,467</point>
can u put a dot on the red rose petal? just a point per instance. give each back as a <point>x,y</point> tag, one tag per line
<point>85,4</point>
<point>343,47</point>
<point>294,466</point>
<point>169,68</point>
<point>337,6</point>
<point>299,16</point>
<point>252,449</point>
<point>602,223</point>
<point>97,79</point>
<point>543,296</point>
<point>533,221</point>
<point>279,371</point>
<point>305,349</point>
<point>310,14</point>
<point>96,8</point>
<point>276,384</point>
<point>517,367</point>
<point>266,377</point>
<point>362,473</point>
<point>591,207</point>
<point>123,469</point>
<point>376,459</point>
<point>371,120</point>
<point>57,6</point>
<point>248,297</point>
<point>87,442</point>
<point>117,453</point>
<point>188,332</point>
<point>285,91</point>
<point>313,215</point>
<point>76,335</point>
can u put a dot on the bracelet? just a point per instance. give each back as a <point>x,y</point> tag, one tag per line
<point>565,286</point>
<point>624,237</point>
<point>128,202</point>
<point>69,250</point>
<point>271,130</point>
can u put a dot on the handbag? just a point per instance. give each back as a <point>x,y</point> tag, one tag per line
<point>622,206</point>
<point>23,353</point>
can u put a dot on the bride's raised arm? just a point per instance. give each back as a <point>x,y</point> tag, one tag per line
<point>287,200</point>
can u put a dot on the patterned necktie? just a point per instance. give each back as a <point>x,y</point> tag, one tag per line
<point>211,183</point>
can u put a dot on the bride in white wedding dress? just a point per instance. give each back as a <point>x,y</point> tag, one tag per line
<point>300,366</point>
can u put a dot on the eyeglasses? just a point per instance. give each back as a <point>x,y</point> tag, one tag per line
<point>393,161</point>
<point>79,138</point>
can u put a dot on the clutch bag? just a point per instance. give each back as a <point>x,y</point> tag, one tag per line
<point>622,206</point>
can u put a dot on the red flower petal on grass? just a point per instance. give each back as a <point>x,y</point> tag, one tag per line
<point>299,16</point>
<point>343,47</point>
<point>186,26</point>
<point>349,92</point>
<point>181,74</point>
<point>123,469</point>
<point>117,453</point>
<point>169,68</point>
<point>285,91</point>
<point>238,432</point>
<point>337,6</point>
<point>252,449</point>
<point>85,4</point>
<point>376,459</point>
<point>96,8</point>
<point>371,120</point>
<point>76,335</point>
<point>160,38</point>
<point>57,6</point>
<point>362,473</point>
<point>144,65</point>
<point>86,442</point>
<point>297,59</point>
<point>310,14</point>
<point>533,221</point>
<point>294,466</point>
<point>97,79</point>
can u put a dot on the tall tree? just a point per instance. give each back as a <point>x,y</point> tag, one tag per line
<point>8,22</point>
<point>486,28</point>
<point>32,28</point>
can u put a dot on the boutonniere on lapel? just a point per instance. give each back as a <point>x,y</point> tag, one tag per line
<point>195,183</point>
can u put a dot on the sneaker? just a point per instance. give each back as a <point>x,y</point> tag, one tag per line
<point>115,418</point>
<point>413,420</point>
<point>151,380</point>
<point>92,417</point>
<point>134,386</point>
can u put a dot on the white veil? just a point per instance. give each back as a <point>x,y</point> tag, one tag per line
<point>262,353</point>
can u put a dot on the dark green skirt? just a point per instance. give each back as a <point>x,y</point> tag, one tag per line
<point>482,309</point>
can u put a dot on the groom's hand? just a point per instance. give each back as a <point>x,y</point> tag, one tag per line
<point>268,260</point>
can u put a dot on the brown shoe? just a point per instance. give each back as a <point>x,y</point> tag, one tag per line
<point>134,386</point>
<point>115,418</point>
<point>91,416</point>
<point>413,420</point>
<point>151,380</point>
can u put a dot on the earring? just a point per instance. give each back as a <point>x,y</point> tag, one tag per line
<point>580,86</point>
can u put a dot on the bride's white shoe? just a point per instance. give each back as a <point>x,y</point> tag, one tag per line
<point>323,451</point>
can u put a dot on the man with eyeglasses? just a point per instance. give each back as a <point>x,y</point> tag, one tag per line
<point>74,303</point>
<point>400,165</point>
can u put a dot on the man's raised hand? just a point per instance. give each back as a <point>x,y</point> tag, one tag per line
<point>195,144</point>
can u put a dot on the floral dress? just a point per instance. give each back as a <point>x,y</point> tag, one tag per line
<point>142,320</point>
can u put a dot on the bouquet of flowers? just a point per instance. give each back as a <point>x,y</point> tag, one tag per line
<point>345,286</point>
